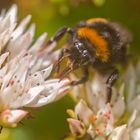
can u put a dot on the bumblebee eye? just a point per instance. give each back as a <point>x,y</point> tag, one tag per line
<point>85,52</point>
<point>78,44</point>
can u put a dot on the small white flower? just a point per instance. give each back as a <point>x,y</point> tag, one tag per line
<point>96,124</point>
<point>10,118</point>
<point>76,127</point>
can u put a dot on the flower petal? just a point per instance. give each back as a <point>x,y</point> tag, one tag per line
<point>31,95</point>
<point>120,133</point>
<point>136,134</point>
<point>5,36</point>
<point>83,112</point>
<point>39,43</point>
<point>54,90</point>
<point>39,77</point>
<point>118,103</point>
<point>12,13</point>
<point>3,57</point>
<point>134,104</point>
<point>132,118</point>
<point>130,82</point>
<point>21,28</point>
<point>24,41</point>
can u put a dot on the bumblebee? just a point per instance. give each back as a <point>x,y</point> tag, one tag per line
<point>96,42</point>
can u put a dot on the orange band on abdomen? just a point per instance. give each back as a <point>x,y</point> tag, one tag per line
<point>98,42</point>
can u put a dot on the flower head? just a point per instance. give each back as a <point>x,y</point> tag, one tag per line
<point>24,71</point>
<point>116,120</point>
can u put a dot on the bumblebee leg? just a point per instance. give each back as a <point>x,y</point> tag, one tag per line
<point>110,82</point>
<point>59,34</point>
<point>83,79</point>
<point>60,58</point>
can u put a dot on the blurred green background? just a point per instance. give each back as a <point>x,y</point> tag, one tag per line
<point>49,122</point>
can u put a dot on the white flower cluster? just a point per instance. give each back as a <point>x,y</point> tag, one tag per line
<point>93,119</point>
<point>24,71</point>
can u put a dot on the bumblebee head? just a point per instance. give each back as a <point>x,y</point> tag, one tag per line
<point>80,53</point>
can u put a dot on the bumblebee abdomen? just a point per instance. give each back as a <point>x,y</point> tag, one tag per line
<point>107,38</point>
<point>113,33</point>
